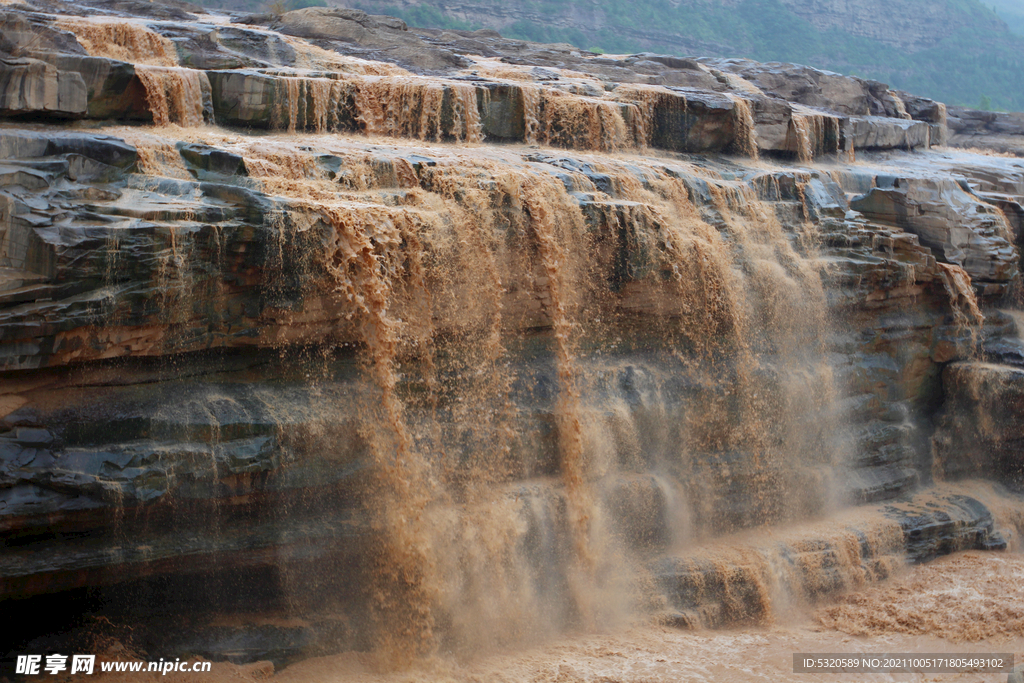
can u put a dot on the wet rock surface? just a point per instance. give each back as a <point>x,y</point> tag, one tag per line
<point>736,585</point>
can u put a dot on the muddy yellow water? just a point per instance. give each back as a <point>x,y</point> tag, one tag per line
<point>967,603</point>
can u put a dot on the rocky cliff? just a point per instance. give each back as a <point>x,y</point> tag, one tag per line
<point>363,357</point>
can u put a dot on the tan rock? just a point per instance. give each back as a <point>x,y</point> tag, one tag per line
<point>33,86</point>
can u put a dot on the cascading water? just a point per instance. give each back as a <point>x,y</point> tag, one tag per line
<point>126,41</point>
<point>174,95</point>
<point>447,456</point>
<point>745,123</point>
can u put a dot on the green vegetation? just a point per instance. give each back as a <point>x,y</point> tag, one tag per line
<point>972,61</point>
<point>1012,12</point>
<point>427,15</point>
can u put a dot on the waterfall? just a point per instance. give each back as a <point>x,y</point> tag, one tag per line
<point>174,94</point>
<point>126,41</point>
<point>747,135</point>
<point>481,247</point>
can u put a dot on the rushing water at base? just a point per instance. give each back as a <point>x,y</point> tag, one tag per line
<point>972,602</point>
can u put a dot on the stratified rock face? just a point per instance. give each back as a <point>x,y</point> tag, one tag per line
<point>958,226</point>
<point>380,328</point>
<point>998,131</point>
<point>982,424</point>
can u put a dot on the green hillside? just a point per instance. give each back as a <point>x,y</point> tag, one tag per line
<point>1012,12</point>
<point>979,56</point>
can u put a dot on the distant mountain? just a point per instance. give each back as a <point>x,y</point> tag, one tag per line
<point>1012,12</point>
<point>957,51</point>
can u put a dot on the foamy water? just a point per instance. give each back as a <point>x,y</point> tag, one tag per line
<point>967,603</point>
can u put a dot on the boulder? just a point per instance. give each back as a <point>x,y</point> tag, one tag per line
<point>334,23</point>
<point>114,91</point>
<point>874,132</point>
<point>34,87</point>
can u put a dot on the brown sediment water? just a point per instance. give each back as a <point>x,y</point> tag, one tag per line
<point>640,654</point>
<point>781,319</point>
<point>969,597</point>
<point>914,613</point>
<point>642,98</point>
<point>557,233</point>
<point>809,131</point>
<point>414,576</point>
<point>310,101</point>
<point>532,95</point>
<point>157,158</point>
<point>406,591</point>
<point>438,268</point>
<point>407,106</point>
<point>762,577</point>
<point>126,41</point>
<point>901,107</point>
<point>466,112</point>
<point>962,299</point>
<point>800,129</point>
<point>589,122</point>
<point>174,94</point>
<point>747,136</point>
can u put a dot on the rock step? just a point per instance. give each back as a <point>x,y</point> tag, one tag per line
<point>740,581</point>
<point>669,118</point>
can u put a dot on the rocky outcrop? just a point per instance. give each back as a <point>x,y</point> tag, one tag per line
<point>997,131</point>
<point>876,133</point>
<point>960,228</point>
<point>210,445</point>
<point>377,37</point>
<point>816,88</point>
<point>695,109</point>
<point>736,585</point>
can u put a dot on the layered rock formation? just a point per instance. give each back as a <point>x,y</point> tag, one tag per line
<point>463,350</point>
